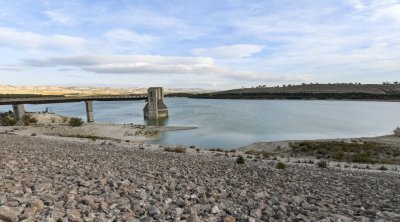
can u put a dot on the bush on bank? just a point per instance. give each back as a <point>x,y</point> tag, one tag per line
<point>74,121</point>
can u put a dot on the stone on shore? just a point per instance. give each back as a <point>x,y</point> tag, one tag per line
<point>50,180</point>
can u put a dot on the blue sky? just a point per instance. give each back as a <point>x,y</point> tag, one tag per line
<point>202,44</point>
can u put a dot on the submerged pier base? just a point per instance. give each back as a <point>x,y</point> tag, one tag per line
<point>155,107</point>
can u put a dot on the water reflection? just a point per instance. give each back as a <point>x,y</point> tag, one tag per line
<point>156,122</point>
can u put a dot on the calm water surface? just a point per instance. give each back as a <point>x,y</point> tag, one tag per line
<point>235,123</point>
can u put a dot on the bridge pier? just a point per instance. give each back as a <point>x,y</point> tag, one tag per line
<point>155,107</point>
<point>19,112</point>
<point>89,111</point>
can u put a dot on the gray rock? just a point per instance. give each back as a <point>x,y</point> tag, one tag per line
<point>342,218</point>
<point>74,216</point>
<point>84,183</point>
<point>9,213</point>
<point>215,210</point>
<point>12,203</point>
<point>391,215</point>
<point>256,213</point>
<point>28,213</point>
<point>379,214</point>
<point>251,219</point>
<point>38,204</point>
<point>229,219</point>
<point>193,216</point>
<point>153,211</point>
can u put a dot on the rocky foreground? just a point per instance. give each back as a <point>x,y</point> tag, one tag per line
<point>48,180</point>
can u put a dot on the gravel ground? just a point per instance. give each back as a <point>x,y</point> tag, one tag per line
<point>52,180</point>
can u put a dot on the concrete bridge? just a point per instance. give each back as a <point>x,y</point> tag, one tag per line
<point>19,109</point>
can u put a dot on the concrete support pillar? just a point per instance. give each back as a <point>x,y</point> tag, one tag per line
<point>89,111</point>
<point>19,112</point>
<point>155,107</point>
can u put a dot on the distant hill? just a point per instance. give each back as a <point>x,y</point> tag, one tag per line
<point>323,88</point>
<point>85,91</point>
<point>312,91</point>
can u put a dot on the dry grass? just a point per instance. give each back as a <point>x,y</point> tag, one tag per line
<point>175,149</point>
<point>366,152</point>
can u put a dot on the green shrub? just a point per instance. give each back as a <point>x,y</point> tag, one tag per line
<point>27,120</point>
<point>354,151</point>
<point>363,158</point>
<point>322,164</point>
<point>240,159</point>
<point>259,153</point>
<point>7,121</point>
<point>175,149</point>
<point>64,119</point>
<point>74,121</point>
<point>217,150</point>
<point>383,168</point>
<point>281,165</point>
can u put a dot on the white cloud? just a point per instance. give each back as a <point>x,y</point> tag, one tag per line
<point>129,36</point>
<point>12,38</point>
<point>150,64</point>
<point>387,12</point>
<point>229,51</point>
<point>60,17</point>
<point>357,4</point>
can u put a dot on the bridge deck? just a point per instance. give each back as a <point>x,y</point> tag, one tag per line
<point>70,99</point>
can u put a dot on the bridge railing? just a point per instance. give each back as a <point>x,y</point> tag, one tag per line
<point>61,98</point>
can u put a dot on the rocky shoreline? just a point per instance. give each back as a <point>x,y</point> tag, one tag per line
<point>42,179</point>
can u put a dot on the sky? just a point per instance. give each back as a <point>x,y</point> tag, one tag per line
<point>198,44</point>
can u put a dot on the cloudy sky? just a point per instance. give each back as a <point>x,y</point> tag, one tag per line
<point>203,44</point>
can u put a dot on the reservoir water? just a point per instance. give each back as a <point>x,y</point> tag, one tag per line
<point>235,123</point>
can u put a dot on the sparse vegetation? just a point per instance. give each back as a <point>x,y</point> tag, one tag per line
<point>75,121</point>
<point>64,119</point>
<point>151,133</point>
<point>383,168</point>
<point>259,153</point>
<point>240,159</point>
<point>359,152</point>
<point>397,131</point>
<point>92,137</point>
<point>175,149</point>
<point>27,120</point>
<point>7,120</point>
<point>53,120</point>
<point>217,150</point>
<point>338,91</point>
<point>281,165</point>
<point>13,96</point>
<point>322,164</point>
